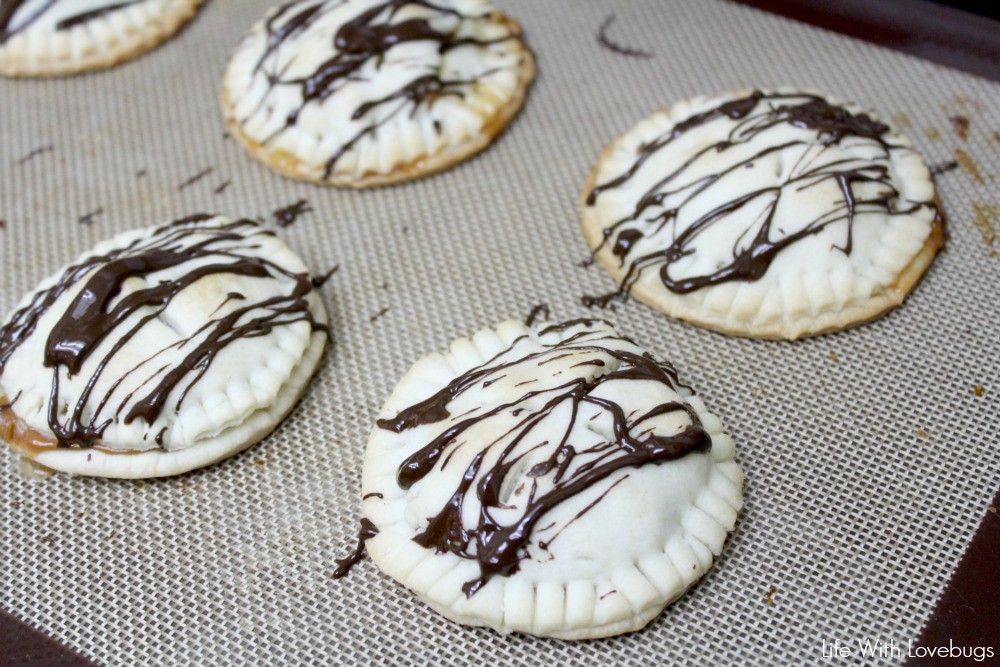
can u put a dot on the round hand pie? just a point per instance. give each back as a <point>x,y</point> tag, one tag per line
<point>559,482</point>
<point>160,351</point>
<point>768,214</point>
<point>362,93</point>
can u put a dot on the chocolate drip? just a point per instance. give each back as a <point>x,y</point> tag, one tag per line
<point>93,317</point>
<point>944,167</point>
<point>605,41</point>
<point>498,548</point>
<point>35,153</point>
<point>367,37</point>
<point>753,254</point>
<point>540,310</point>
<point>88,218</point>
<point>368,530</point>
<point>197,177</point>
<point>8,8</point>
<point>320,280</point>
<point>90,318</point>
<point>286,216</point>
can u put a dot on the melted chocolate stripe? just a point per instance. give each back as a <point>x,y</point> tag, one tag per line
<point>85,17</point>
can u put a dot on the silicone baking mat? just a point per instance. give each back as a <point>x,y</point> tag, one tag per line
<point>869,457</point>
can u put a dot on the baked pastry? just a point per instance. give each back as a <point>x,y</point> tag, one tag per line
<point>362,93</point>
<point>60,37</point>
<point>768,214</point>
<point>160,351</point>
<point>556,481</point>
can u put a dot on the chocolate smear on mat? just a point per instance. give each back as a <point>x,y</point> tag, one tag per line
<point>197,177</point>
<point>960,124</point>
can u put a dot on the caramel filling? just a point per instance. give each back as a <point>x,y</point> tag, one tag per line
<point>28,442</point>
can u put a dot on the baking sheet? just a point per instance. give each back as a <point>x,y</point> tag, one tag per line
<point>869,458</point>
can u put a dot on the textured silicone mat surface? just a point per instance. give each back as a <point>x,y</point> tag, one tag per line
<point>869,457</point>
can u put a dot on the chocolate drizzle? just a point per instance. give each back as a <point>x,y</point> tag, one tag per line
<point>9,8</point>
<point>571,468</point>
<point>98,314</point>
<point>366,38</point>
<point>661,208</point>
